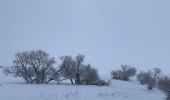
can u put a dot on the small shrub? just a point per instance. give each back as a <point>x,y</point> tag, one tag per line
<point>89,75</point>
<point>123,74</point>
<point>102,83</point>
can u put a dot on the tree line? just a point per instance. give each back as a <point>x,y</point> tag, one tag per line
<point>37,67</point>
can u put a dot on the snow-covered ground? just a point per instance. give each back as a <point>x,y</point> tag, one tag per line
<point>15,89</point>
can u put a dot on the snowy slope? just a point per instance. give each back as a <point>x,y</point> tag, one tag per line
<point>119,90</point>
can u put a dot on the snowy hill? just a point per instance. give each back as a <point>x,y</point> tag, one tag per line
<point>15,89</point>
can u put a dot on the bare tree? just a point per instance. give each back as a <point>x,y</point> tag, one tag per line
<point>149,78</point>
<point>68,68</point>
<point>156,72</point>
<point>17,71</point>
<point>142,77</point>
<point>71,68</point>
<point>164,85</point>
<point>33,66</point>
<point>124,74</point>
<point>79,64</point>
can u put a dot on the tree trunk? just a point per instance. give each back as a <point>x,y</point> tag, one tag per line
<point>78,79</point>
<point>26,79</point>
<point>72,81</point>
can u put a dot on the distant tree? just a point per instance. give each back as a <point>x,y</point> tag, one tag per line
<point>79,73</point>
<point>124,73</point>
<point>164,85</point>
<point>142,77</point>
<point>156,73</point>
<point>33,67</point>
<point>151,81</point>
<point>149,78</point>
<point>68,68</point>
<point>79,63</point>
<point>71,67</point>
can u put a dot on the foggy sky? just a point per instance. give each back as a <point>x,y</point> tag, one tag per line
<point>108,32</point>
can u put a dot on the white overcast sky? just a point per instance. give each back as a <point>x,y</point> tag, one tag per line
<point>108,32</point>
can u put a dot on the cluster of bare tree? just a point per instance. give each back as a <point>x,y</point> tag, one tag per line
<point>150,78</point>
<point>155,79</point>
<point>38,67</point>
<point>124,73</point>
<point>79,73</point>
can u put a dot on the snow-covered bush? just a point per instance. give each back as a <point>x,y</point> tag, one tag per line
<point>89,75</point>
<point>124,73</point>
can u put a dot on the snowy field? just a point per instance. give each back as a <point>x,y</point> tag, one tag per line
<point>15,89</point>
